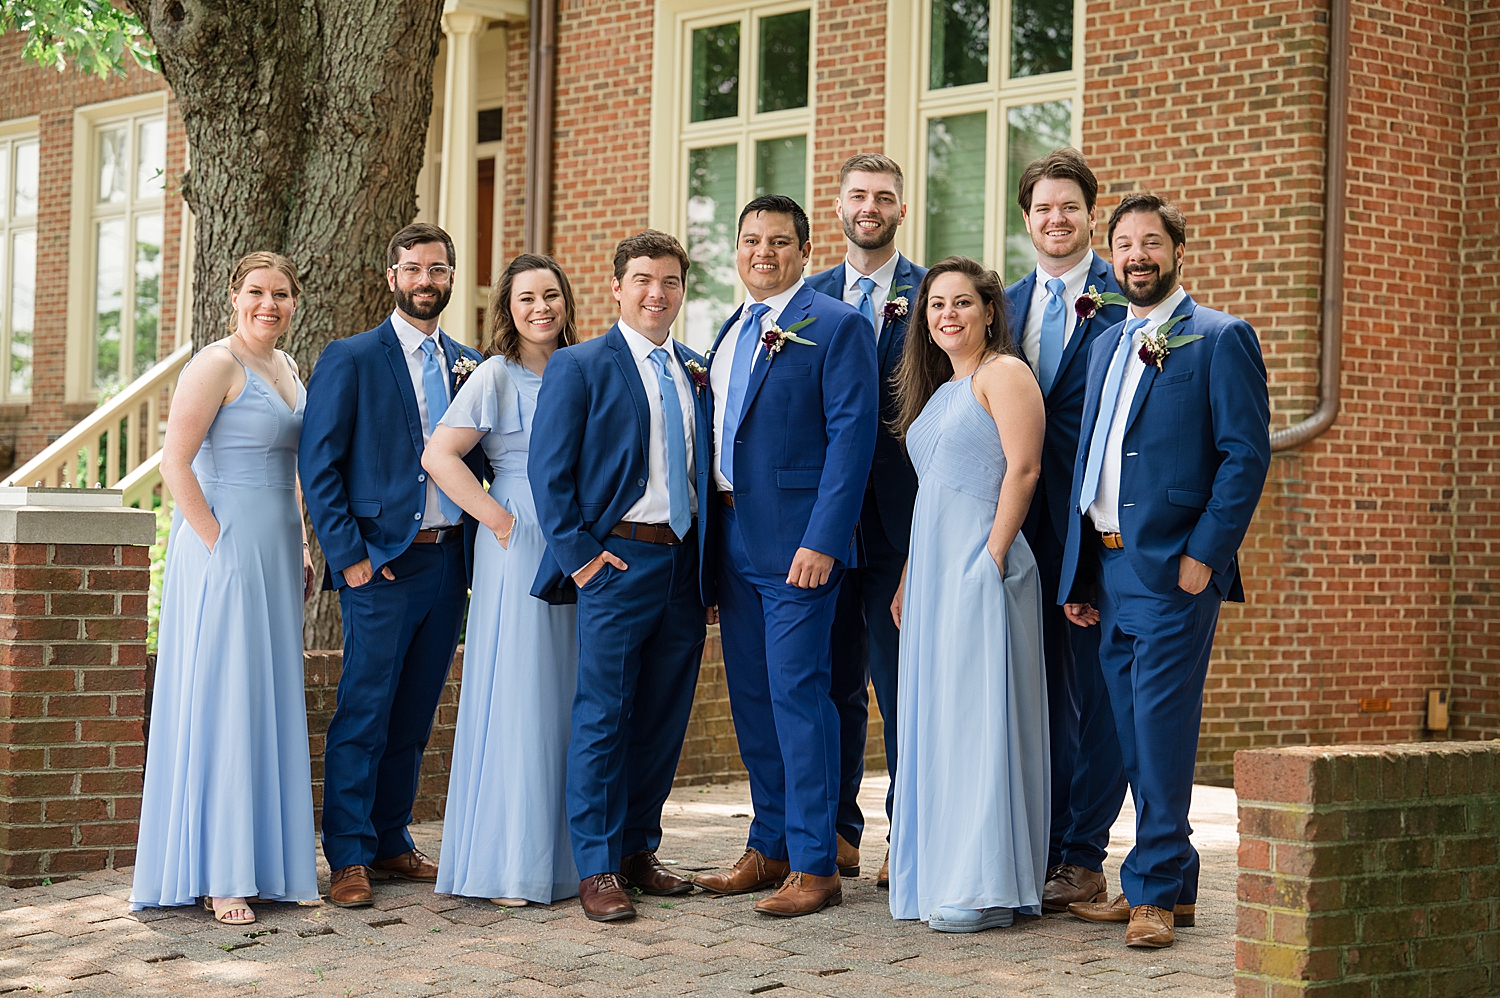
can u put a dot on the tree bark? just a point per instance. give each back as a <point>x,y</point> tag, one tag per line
<point>306,122</point>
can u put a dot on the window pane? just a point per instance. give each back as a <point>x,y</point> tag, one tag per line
<point>1035,130</point>
<point>147,291</point>
<point>716,72</point>
<point>22,309</point>
<point>1041,37</point>
<point>711,214</point>
<point>113,166</point>
<point>783,60</point>
<point>151,159</point>
<point>109,299</point>
<point>492,125</point>
<point>26,180</point>
<point>960,42</point>
<point>955,186</point>
<point>781,167</point>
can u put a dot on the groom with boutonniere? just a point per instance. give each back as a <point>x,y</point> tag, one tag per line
<point>794,384</point>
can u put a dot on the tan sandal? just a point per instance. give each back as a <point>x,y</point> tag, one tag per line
<point>223,915</point>
<point>510,902</point>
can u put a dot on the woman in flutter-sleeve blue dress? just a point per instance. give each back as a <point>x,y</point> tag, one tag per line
<point>505,831</point>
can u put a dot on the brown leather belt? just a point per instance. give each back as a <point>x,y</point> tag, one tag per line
<point>436,535</point>
<point>727,498</point>
<point>1112,541</point>
<point>651,533</point>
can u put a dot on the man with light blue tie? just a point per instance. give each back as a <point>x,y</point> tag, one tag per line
<point>1177,450</point>
<point>1057,195</point>
<point>619,471</point>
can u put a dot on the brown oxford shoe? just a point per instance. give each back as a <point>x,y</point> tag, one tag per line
<point>1150,927</point>
<point>802,894</point>
<point>350,887</point>
<point>1067,883</point>
<point>753,872</point>
<point>883,878</point>
<point>1119,910</point>
<point>410,865</point>
<point>604,898</point>
<point>848,858</point>
<point>644,871</point>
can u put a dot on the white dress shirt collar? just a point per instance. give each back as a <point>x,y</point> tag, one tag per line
<point>883,276</point>
<point>777,303</point>
<point>410,336</point>
<point>640,345</point>
<point>1072,280</point>
<point>1163,312</point>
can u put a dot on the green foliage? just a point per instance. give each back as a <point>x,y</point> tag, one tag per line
<point>93,34</point>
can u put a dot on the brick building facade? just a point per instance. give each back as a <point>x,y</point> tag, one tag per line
<point>1373,564</point>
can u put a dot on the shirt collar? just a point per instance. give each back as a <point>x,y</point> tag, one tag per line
<point>883,277</point>
<point>410,336</point>
<point>778,303</point>
<point>1163,312</point>
<point>640,346</point>
<point>1073,278</point>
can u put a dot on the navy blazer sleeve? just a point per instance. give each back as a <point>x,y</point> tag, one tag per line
<point>851,417</point>
<point>556,445</point>
<point>327,440</point>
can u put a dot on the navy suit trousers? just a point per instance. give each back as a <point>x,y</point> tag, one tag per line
<point>640,641</point>
<point>399,638</point>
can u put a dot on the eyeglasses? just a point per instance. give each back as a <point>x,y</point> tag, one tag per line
<point>439,273</point>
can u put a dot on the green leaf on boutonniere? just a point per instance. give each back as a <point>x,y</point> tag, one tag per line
<point>1111,298</point>
<point>791,331</point>
<point>1176,341</point>
<point>1166,327</point>
<point>895,290</point>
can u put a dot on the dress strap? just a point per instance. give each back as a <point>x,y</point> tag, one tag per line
<point>226,346</point>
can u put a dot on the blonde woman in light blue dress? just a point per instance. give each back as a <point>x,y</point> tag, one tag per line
<point>505,832</point>
<point>971,810</point>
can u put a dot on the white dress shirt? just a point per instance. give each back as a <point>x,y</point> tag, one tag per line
<point>1074,282</point>
<point>883,277</point>
<point>723,360</point>
<point>411,344</point>
<point>1105,509</point>
<point>656,505</point>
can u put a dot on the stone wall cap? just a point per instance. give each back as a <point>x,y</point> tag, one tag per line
<point>1373,749</point>
<point>21,495</point>
<point>77,525</point>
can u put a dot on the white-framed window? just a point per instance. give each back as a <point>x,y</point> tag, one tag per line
<point>986,87</point>
<point>119,189</point>
<point>20,175</point>
<point>733,107</point>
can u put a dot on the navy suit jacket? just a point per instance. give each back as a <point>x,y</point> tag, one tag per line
<point>806,436</point>
<point>892,478</point>
<point>1065,401</point>
<point>1196,451</point>
<point>589,457</point>
<point>360,456</point>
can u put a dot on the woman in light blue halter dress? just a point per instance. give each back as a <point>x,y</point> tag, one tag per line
<point>505,830</point>
<point>970,818</point>
<point>226,812</point>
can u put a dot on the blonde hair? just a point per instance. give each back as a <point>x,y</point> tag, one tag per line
<point>262,260</point>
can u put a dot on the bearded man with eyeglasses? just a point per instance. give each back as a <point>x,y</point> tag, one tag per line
<point>398,552</point>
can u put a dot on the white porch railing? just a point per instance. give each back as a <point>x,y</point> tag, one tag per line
<point>117,445</point>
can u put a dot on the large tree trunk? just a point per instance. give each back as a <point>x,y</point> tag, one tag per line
<point>306,121</point>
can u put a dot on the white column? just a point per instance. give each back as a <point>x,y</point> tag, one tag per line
<point>459,189</point>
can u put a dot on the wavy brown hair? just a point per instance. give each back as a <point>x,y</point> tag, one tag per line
<point>924,365</point>
<point>261,260</point>
<point>504,337</point>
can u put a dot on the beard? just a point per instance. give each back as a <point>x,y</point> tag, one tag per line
<point>404,300</point>
<point>877,239</point>
<point>1153,291</point>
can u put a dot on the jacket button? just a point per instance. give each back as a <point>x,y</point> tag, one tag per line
<point>421,478</point>
<point>417,516</point>
<point>641,481</point>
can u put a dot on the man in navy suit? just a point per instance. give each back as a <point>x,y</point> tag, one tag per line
<point>619,469</point>
<point>1176,449</point>
<point>881,284</point>
<point>397,551</point>
<point>1057,197</point>
<point>795,389</point>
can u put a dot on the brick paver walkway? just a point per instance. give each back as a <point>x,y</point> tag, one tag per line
<point>79,937</point>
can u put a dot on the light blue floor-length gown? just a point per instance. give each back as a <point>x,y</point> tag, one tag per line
<point>970,819</point>
<point>505,829</point>
<point>227,805</point>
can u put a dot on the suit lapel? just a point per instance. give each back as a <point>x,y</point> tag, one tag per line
<point>702,417</point>
<point>451,352</point>
<point>632,374</point>
<point>1185,308</point>
<point>1021,305</point>
<point>888,330</point>
<point>402,374</point>
<point>729,324</point>
<point>795,312</point>
<point>1096,276</point>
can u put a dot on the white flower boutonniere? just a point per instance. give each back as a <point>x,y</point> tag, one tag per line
<point>776,337</point>
<point>462,368</point>
<point>1156,344</point>
<point>896,304</point>
<point>698,373</point>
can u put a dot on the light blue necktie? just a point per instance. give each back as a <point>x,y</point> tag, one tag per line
<point>435,387</point>
<point>866,303</point>
<point>678,503</point>
<point>739,380</point>
<point>1106,415</point>
<point>1054,328</point>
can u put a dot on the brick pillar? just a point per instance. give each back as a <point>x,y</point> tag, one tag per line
<point>73,582</point>
<point>1369,871</point>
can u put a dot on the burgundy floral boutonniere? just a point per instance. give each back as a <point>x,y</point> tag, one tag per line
<point>462,368</point>
<point>896,304</point>
<point>1092,300</point>
<point>775,338</point>
<point>698,373</point>
<point>1156,344</point>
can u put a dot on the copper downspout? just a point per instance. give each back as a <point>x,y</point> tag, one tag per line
<point>1333,236</point>
<point>540,101</point>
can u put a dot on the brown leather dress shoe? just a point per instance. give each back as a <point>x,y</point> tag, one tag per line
<point>1067,883</point>
<point>802,894</point>
<point>848,858</point>
<point>753,872</point>
<point>1119,910</point>
<point>604,898</point>
<point>883,878</point>
<point>644,871</point>
<point>410,865</point>
<point>350,887</point>
<point>1150,927</point>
